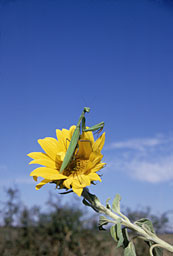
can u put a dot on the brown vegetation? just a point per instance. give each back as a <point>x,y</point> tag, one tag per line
<point>61,232</point>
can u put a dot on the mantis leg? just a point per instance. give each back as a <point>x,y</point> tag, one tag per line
<point>66,142</point>
<point>98,127</point>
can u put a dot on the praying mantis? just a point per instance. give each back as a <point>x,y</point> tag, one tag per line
<point>76,136</point>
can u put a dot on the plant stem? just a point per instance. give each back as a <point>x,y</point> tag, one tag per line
<point>148,235</point>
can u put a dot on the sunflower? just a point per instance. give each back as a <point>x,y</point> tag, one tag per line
<point>80,172</point>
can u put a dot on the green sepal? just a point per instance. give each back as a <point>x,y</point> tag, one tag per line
<point>116,204</point>
<point>130,250</point>
<point>85,202</point>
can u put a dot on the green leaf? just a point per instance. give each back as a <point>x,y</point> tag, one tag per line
<point>116,203</point>
<point>113,233</point>
<point>130,250</point>
<point>103,221</point>
<point>107,204</point>
<point>119,235</point>
<point>157,251</point>
<point>126,237</point>
<point>146,223</point>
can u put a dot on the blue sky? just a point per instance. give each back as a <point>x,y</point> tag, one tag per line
<point>115,57</point>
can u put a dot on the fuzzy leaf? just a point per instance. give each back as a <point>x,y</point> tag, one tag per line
<point>103,221</point>
<point>113,233</point>
<point>107,204</point>
<point>119,235</point>
<point>157,251</point>
<point>130,250</point>
<point>146,223</point>
<point>126,237</point>
<point>116,203</point>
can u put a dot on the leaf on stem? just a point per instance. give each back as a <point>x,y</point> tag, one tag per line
<point>116,204</point>
<point>107,204</point>
<point>130,250</point>
<point>146,224</point>
<point>113,233</point>
<point>102,222</point>
<point>119,235</point>
<point>157,251</point>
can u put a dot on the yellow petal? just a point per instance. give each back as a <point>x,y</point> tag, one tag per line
<point>60,138</point>
<point>95,156</point>
<point>84,180</point>
<point>60,156</point>
<point>94,176</point>
<point>47,173</point>
<point>87,136</point>
<point>94,159</point>
<point>99,143</point>
<point>38,155</point>
<point>85,149</point>
<point>72,128</point>
<point>42,183</point>
<point>50,146</point>
<point>97,167</point>
<point>66,137</point>
<point>46,162</point>
<point>81,181</point>
<point>78,191</point>
<point>67,183</point>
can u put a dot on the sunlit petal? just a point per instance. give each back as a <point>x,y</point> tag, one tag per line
<point>38,155</point>
<point>42,183</point>
<point>47,173</point>
<point>46,162</point>
<point>94,176</point>
<point>50,146</point>
<point>98,144</point>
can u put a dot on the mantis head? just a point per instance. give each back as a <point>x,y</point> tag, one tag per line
<point>86,109</point>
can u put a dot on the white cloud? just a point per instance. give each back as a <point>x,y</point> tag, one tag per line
<point>137,143</point>
<point>159,170</point>
<point>149,159</point>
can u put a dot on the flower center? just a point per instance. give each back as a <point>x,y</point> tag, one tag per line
<point>77,165</point>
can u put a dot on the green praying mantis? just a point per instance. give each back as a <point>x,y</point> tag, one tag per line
<point>76,136</point>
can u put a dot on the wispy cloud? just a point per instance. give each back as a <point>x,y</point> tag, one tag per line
<point>145,159</point>
<point>138,143</point>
